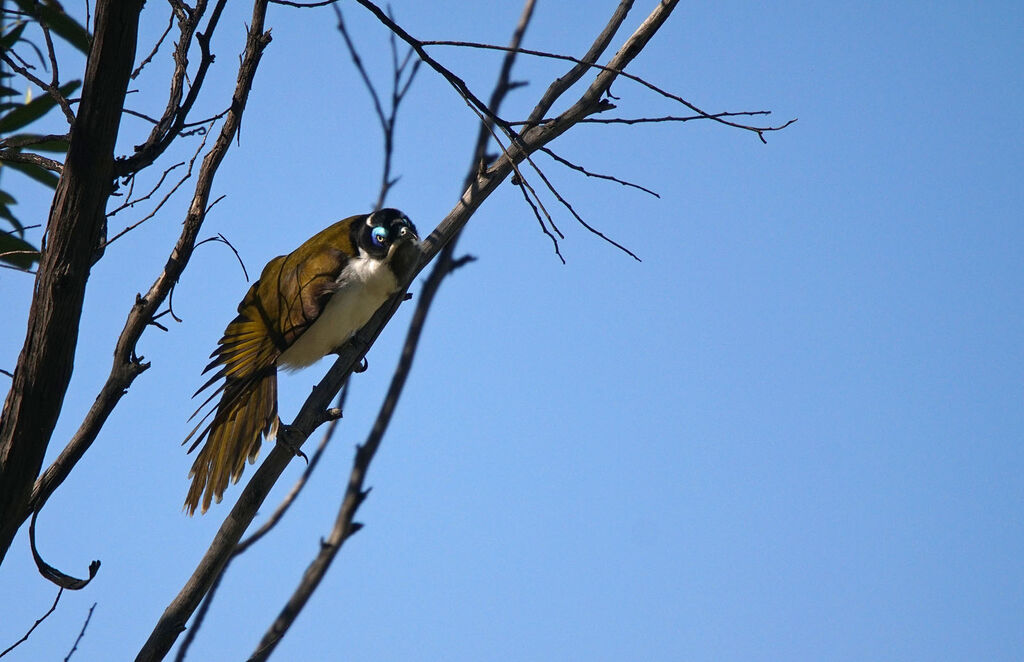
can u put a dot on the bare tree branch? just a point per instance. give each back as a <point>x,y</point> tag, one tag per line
<point>30,140</point>
<point>483,182</point>
<point>50,88</point>
<point>175,114</point>
<point>156,47</point>
<point>717,117</point>
<point>127,365</point>
<point>81,633</point>
<point>344,525</point>
<point>559,86</point>
<point>17,156</point>
<point>39,620</point>
<point>579,168</point>
<point>76,220</point>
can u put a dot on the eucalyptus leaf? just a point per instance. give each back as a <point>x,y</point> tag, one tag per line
<point>12,37</point>
<point>9,242</point>
<point>18,227</point>
<point>33,110</point>
<point>53,16</point>
<point>38,173</point>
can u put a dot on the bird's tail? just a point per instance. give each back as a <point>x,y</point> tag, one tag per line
<point>247,412</point>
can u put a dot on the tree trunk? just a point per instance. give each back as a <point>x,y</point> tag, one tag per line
<point>73,233</point>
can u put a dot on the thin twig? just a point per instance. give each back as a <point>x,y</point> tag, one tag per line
<point>127,365</point>
<point>184,178</point>
<point>540,221</point>
<point>55,74</point>
<point>224,240</point>
<point>15,268</point>
<point>152,54</point>
<point>81,633</point>
<point>39,620</point>
<point>132,202</point>
<point>588,173</point>
<point>718,117</point>
<point>50,89</point>
<point>30,140</point>
<point>142,116</point>
<point>344,525</point>
<point>667,118</point>
<point>579,219</point>
<point>303,5</point>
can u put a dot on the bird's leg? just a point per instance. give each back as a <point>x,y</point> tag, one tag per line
<point>358,345</point>
<point>290,439</point>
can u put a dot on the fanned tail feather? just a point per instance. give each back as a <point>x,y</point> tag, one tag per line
<point>247,413</point>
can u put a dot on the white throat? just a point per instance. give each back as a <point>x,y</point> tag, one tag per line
<point>363,286</point>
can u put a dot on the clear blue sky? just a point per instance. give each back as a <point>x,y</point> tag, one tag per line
<point>793,432</point>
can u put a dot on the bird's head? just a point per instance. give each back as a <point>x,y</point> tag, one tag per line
<point>388,235</point>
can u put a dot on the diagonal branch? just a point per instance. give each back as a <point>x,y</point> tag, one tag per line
<point>177,109</point>
<point>717,117</point>
<point>77,216</point>
<point>38,622</point>
<point>17,156</point>
<point>127,365</point>
<point>559,86</point>
<point>483,182</point>
<point>355,494</point>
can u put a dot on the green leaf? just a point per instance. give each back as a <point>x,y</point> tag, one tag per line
<point>6,198</point>
<point>15,223</point>
<point>9,91</point>
<point>9,242</point>
<point>29,112</point>
<point>53,16</point>
<point>38,173</point>
<point>12,37</point>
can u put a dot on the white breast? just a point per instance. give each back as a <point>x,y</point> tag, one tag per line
<point>363,286</point>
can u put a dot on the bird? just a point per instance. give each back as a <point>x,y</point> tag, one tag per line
<point>305,305</point>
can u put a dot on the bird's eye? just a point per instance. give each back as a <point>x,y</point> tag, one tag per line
<point>379,236</point>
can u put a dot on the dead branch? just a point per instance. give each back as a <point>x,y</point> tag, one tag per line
<point>483,182</point>
<point>39,620</point>
<point>578,168</point>
<point>52,89</point>
<point>344,525</point>
<point>179,104</point>
<point>156,47</point>
<point>75,225</point>
<point>717,117</point>
<point>127,365</point>
<point>81,633</point>
<point>17,156</point>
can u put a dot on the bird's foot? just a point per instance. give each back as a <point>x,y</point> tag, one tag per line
<point>363,365</point>
<point>291,439</point>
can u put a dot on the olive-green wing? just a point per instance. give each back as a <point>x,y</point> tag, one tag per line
<point>288,297</point>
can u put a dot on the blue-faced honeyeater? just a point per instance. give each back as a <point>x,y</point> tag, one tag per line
<point>305,305</point>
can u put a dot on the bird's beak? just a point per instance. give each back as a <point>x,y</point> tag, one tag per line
<point>407,233</point>
<point>404,253</point>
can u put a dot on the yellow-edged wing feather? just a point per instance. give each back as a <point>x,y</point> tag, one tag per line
<point>288,297</point>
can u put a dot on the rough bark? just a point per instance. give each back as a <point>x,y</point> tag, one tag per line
<point>72,237</point>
